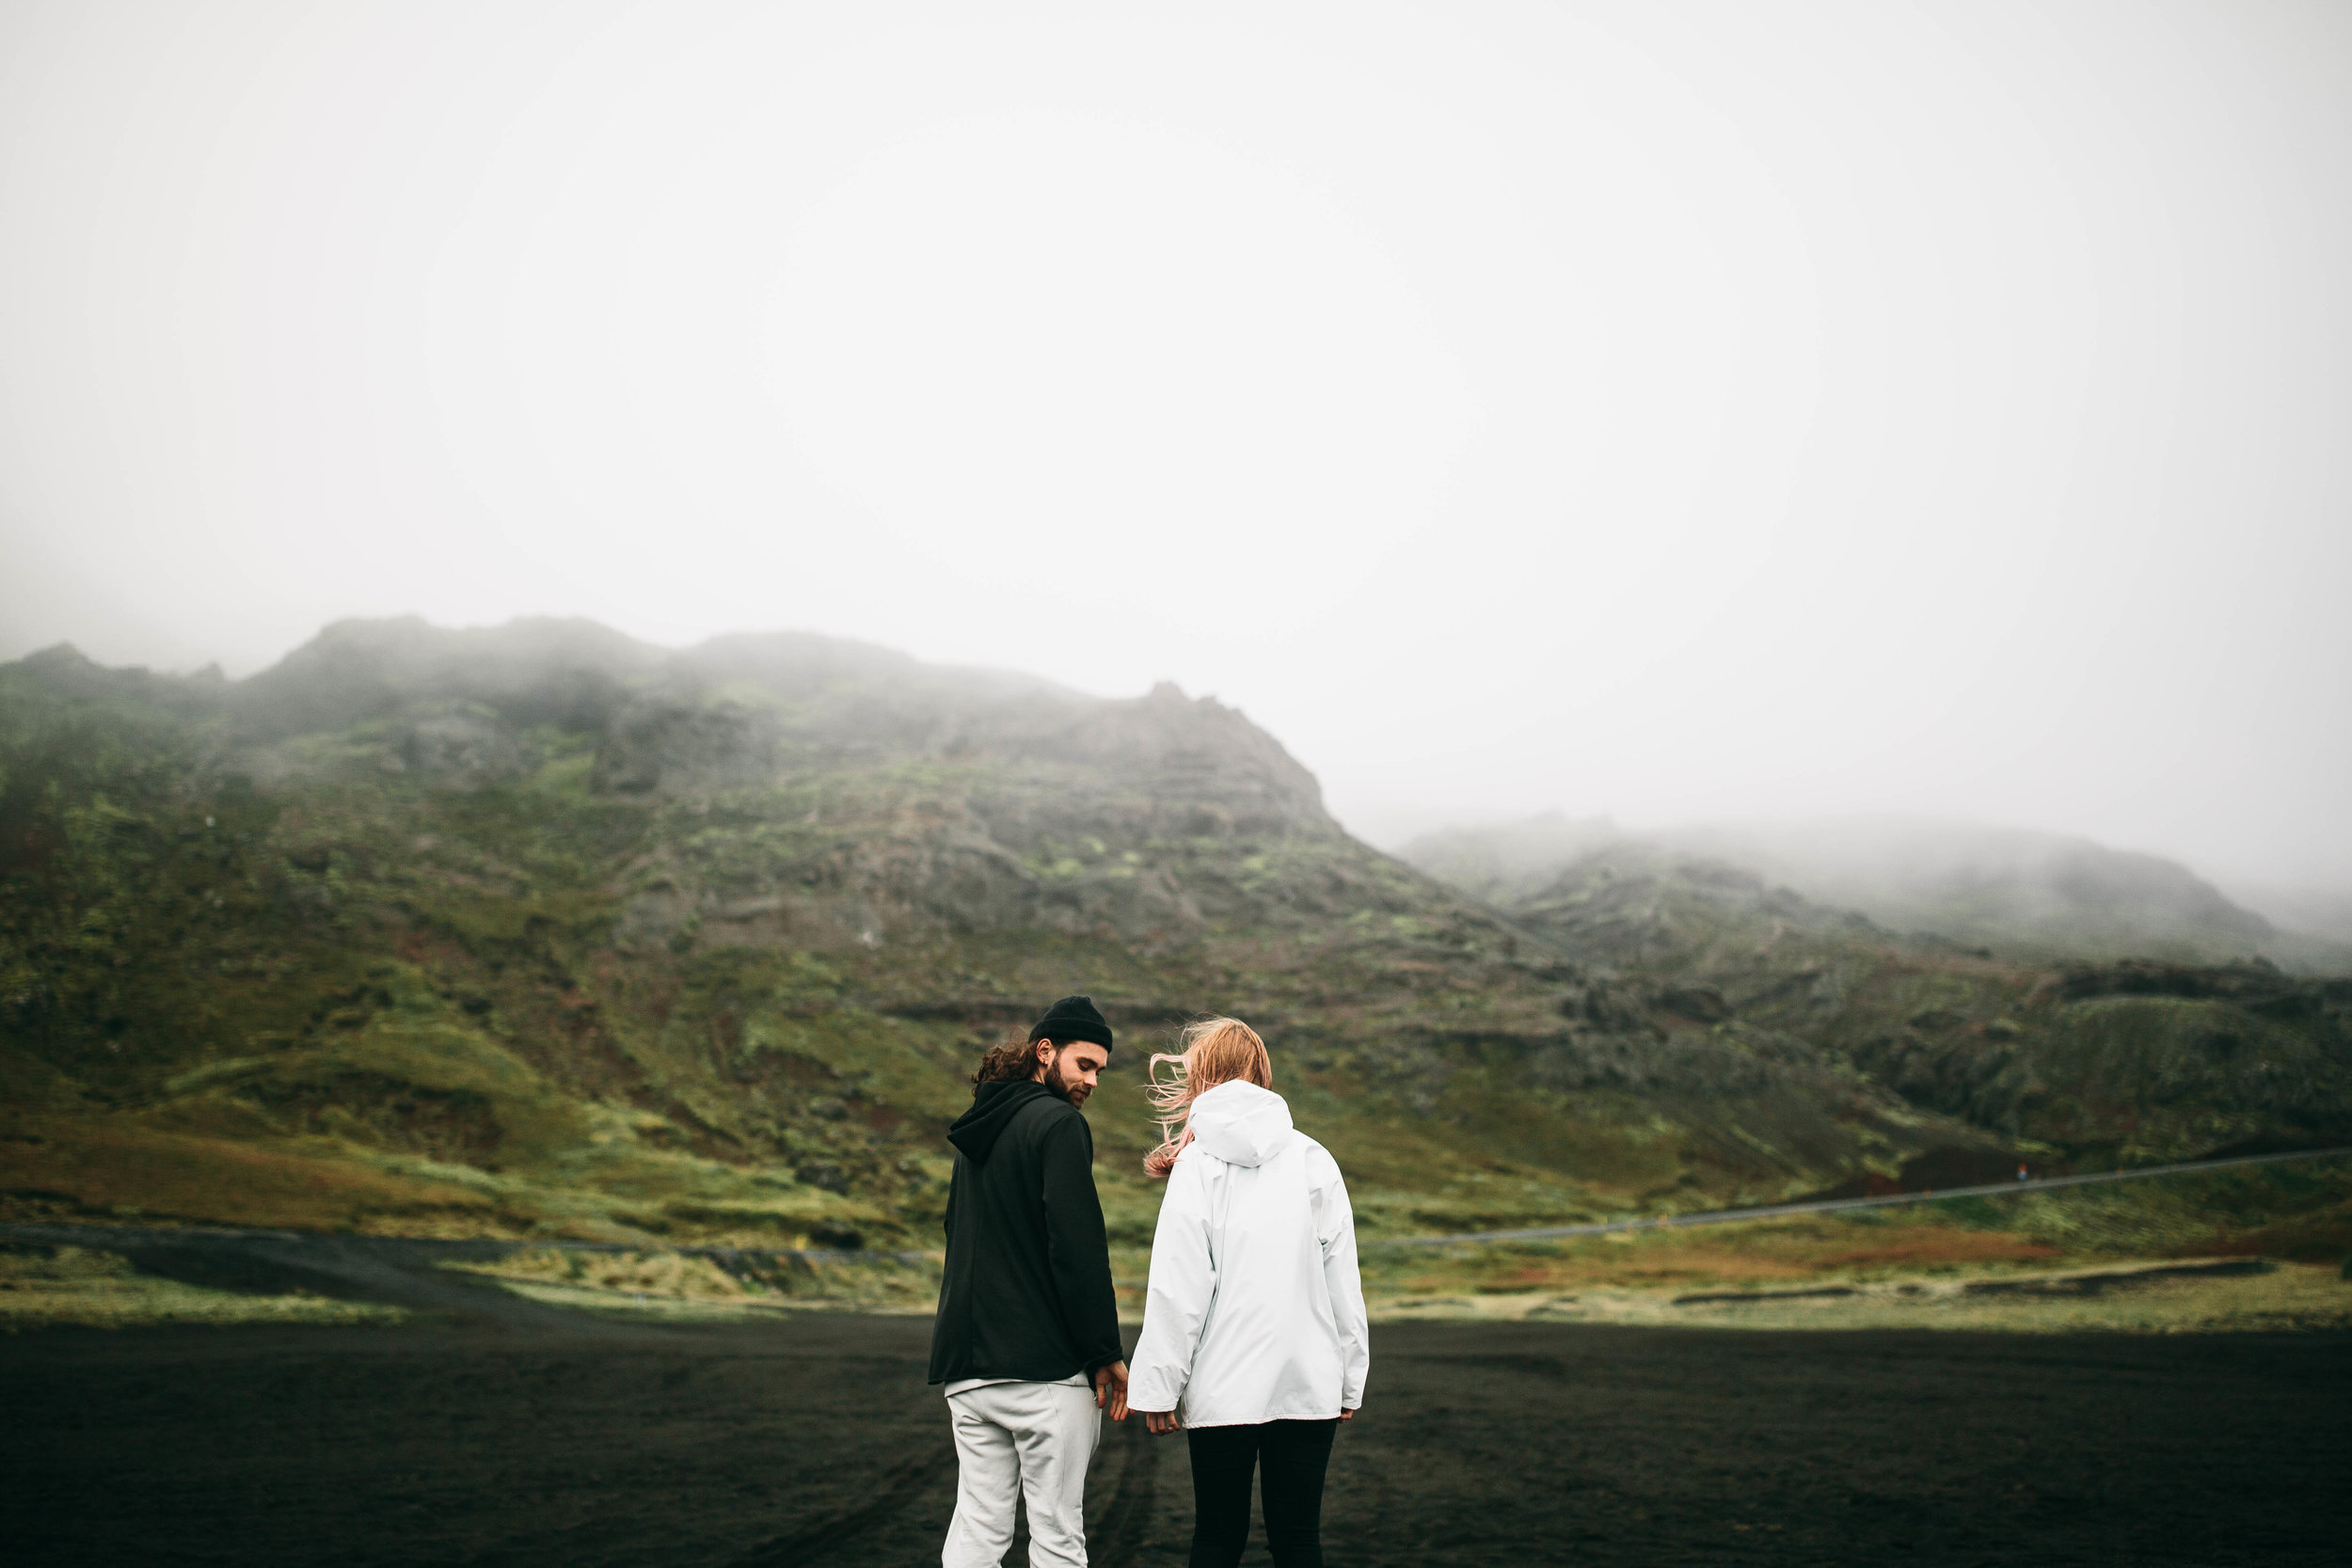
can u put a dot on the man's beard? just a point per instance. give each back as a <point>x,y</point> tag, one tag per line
<point>1074,1093</point>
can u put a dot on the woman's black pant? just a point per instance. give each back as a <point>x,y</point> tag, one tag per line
<point>1290,1458</point>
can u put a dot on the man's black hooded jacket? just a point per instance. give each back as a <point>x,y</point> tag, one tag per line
<point>1027,1292</point>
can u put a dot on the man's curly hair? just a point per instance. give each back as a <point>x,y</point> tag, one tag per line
<point>1015,1059</point>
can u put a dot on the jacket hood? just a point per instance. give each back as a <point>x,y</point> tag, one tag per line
<point>994,1106</point>
<point>1241,1123</point>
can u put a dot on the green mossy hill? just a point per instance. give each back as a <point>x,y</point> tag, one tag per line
<point>2096,1063</point>
<point>537,929</point>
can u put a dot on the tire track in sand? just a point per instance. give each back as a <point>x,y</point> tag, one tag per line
<point>1128,1520</point>
<point>898,1489</point>
<point>1125,1524</point>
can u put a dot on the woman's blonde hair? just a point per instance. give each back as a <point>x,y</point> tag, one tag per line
<point>1216,1051</point>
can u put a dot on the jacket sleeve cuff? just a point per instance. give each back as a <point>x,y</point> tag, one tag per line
<point>1154,1389</point>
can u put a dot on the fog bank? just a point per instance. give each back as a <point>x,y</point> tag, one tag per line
<point>1679,414</point>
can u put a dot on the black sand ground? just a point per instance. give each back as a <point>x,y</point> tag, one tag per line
<point>528,1439</point>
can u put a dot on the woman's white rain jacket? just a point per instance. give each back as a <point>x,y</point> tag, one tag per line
<point>1254,1312</point>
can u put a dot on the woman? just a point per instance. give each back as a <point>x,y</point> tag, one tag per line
<point>1253,1328</point>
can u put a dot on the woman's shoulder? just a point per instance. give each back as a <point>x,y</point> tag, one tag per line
<point>1321,1168</point>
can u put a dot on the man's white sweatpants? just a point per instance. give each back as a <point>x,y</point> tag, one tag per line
<point>1031,1440</point>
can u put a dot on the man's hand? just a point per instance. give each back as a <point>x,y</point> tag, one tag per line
<point>1161,1422</point>
<point>1347,1415</point>
<point>1111,1390</point>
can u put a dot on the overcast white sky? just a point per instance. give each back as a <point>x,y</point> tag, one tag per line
<point>1678,411</point>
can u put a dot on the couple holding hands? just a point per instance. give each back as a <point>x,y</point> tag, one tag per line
<point>1253,1340</point>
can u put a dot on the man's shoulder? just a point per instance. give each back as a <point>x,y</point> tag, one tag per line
<point>1045,1116</point>
<point>1049,1104</point>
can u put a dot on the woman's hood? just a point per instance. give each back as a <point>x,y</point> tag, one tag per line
<point>1241,1123</point>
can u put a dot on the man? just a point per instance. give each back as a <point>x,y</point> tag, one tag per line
<point>1026,1339</point>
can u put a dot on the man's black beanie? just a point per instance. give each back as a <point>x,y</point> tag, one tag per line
<point>1072,1017</point>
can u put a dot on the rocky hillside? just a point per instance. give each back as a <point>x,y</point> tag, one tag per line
<point>542,929</point>
<point>2111,1062</point>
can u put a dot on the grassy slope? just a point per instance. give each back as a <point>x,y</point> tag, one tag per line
<point>2174,1254</point>
<point>428,932</point>
<point>45,1286</point>
<point>2011,1263</point>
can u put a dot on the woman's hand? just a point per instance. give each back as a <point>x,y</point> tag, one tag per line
<point>1160,1422</point>
<point>1347,1415</point>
